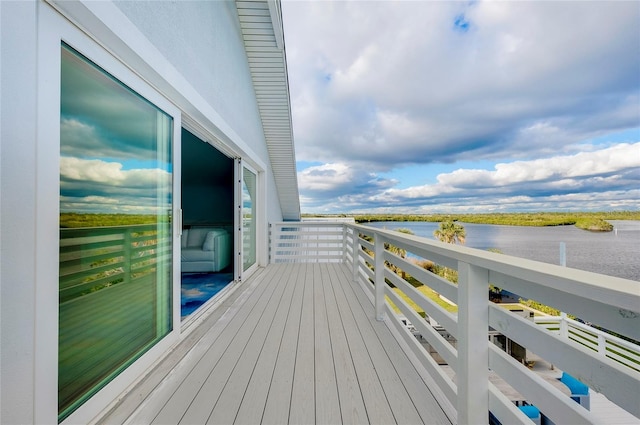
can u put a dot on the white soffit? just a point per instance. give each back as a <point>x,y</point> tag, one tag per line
<point>261,25</point>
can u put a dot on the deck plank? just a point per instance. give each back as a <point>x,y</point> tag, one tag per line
<point>353,410</point>
<point>165,396</point>
<point>401,404</point>
<point>183,396</point>
<point>276,409</point>
<point>253,403</point>
<point>424,402</point>
<point>375,400</point>
<point>303,409</point>
<point>263,345</point>
<point>326,388</point>
<point>302,346</point>
<point>241,353</point>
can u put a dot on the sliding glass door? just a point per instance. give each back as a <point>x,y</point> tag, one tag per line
<point>115,272</point>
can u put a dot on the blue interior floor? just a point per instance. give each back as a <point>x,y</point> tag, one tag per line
<point>198,288</point>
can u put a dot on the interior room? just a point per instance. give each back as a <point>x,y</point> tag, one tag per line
<point>207,222</point>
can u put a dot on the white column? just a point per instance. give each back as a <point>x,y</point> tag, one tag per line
<point>473,345</point>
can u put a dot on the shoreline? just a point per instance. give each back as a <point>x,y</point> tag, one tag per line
<point>589,221</point>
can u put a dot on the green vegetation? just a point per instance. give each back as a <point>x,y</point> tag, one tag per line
<point>594,225</point>
<point>69,220</point>
<point>540,307</point>
<point>397,251</point>
<point>427,292</point>
<point>584,220</point>
<point>450,232</point>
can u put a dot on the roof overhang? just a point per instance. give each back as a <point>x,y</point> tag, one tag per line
<point>262,31</point>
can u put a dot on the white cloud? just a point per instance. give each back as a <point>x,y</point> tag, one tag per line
<point>101,186</point>
<point>390,83</point>
<point>604,178</point>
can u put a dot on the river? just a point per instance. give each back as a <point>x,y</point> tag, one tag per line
<point>614,253</point>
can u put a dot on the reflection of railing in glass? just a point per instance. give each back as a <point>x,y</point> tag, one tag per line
<point>108,302</point>
<point>97,258</point>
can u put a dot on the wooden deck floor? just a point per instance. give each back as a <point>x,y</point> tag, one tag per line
<point>300,346</point>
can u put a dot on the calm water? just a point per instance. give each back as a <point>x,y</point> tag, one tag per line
<point>610,253</point>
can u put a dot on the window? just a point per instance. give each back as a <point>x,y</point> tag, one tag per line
<point>116,176</point>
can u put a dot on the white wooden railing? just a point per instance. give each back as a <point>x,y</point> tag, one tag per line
<point>610,302</point>
<point>605,344</point>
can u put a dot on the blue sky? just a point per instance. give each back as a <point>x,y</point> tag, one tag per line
<point>436,106</point>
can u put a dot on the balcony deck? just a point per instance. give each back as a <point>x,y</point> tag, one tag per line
<point>299,344</point>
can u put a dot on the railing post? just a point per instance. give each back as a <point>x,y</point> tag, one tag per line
<point>355,253</point>
<point>602,345</point>
<point>473,345</point>
<point>564,326</point>
<point>379,276</point>
<point>344,243</point>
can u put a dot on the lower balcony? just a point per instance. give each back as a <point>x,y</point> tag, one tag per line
<point>313,338</point>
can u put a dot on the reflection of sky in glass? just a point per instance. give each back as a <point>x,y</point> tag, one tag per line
<point>115,146</point>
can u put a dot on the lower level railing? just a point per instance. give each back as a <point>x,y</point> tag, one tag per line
<point>602,342</point>
<point>391,267</point>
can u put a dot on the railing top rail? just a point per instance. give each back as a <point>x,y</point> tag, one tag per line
<point>309,223</point>
<point>623,293</point>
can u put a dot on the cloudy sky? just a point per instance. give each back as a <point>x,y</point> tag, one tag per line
<point>446,106</point>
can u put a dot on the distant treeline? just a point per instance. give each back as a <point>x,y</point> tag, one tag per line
<point>596,221</point>
<point>69,220</point>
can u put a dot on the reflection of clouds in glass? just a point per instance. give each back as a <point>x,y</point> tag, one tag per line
<point>100,186</point>
<point>98,171</point>
<point>103,126</point>
<point>106,118</point>
<point>85,140</point>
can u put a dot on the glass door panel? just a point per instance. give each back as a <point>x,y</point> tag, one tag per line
<point>248,218</point>
<point>115,280</point>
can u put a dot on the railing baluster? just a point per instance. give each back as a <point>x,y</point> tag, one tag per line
<point>345,235</point>
<point>355,254</point>
<point>564,326</point>
<point>379,276</point>
<point>473,345</point>
<point>602,345</point>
